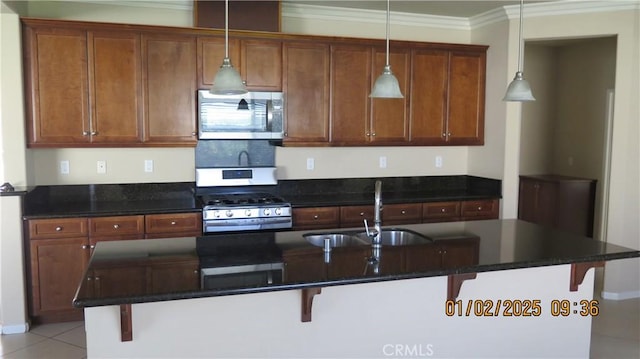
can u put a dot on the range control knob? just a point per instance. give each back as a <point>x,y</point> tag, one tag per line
<point>278,211</point>
<point>247,212</point>
<point>267,211</point>
<point>216,214</point>
<point>229,213</point>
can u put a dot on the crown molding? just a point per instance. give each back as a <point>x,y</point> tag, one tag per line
<point>318,12</point>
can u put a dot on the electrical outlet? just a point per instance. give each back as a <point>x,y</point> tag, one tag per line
<point>383,161</point>
<point>310,164</point>
<point>148,165</point>
<point>438,161</point>
<point>64,167</point>
<point>102,167</point>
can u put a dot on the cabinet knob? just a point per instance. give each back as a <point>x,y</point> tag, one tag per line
<point>193,133</point>
<point>443,210</point>
<point>58,228</point>
<point>195,271</point>
<point>448,134</point>
<point>315,216</point>
<point>92,246</point>
<point>116,226</point>
<point>84,246</point>
<point>173,223</point>
<point>373,134</point>
<point>96,278</point>
<point>94,133</point>
<point>444,251</point>
<point>286,134</point>
<point>403,212</point>
<point>89,278</point>
<point>85,133</point>
<point>361,214</point>
<point>367,134</point>
<point>479,208</point>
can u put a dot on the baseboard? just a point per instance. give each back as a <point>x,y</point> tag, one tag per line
<point>620,295</point>
<point>15,329</point>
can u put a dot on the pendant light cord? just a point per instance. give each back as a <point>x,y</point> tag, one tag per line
<point>226,28</point>
<point>388,17</point>
<point>520,62</point>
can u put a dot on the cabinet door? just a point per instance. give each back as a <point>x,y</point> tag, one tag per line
<point>115,81</point>
<point>458,253</point>
<point>57,265</point>
<point>441,212</point>
<point>56,86</point>
<point>178,275</point>
<point>465,125</point>
<point>306,84</point>
<point>304,266</point>
<point>402,213</point>
<point>347,262</point>
<point>261,64</point>
<point>316,217</point>
<point>350,88</point>
<point>120,281</point>
<point>422,258</point>
<point>210,54</point>
<point>427,113</point>
<point>537,202</point>
<point>354,216</point>
<point>169,89</point>
<point>389,120</point>
<point>173,225</point>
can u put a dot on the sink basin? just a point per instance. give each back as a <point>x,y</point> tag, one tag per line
<point>335,239</point>
<point>398,237</point>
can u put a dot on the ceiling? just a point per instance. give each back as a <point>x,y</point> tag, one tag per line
<point>457,8</point>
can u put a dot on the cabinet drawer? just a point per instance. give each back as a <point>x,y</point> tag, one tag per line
<point>401,213</point>
<point>316,217</point>
<point>353,216</point>
<point>173,223</point>
<point>58,228</point>
<point>486,209</point>
<point>116,226</point>
<point>441,211</point>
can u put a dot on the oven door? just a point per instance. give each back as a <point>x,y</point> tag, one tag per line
<point>253,224</point>
<point>241,276</point>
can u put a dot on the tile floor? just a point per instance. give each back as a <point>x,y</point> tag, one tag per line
<point>615,334</point>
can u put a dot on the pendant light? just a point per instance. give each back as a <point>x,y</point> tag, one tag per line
<point>519,89</point>
<point>386,85</point>
<point>227,80</point>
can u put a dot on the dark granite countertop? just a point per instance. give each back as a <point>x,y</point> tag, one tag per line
<point>148,198</point>
<point>489,245</point>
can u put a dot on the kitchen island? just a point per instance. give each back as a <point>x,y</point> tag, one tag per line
<point>517,290</point>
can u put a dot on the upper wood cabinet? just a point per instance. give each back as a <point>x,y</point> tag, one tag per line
<point>350,88</point>
<point>389,119</point>
<point>306,85</point>
<point>447,97</point>
<point>259,62</point>
<point>169,89</point>
<point>73,79</point>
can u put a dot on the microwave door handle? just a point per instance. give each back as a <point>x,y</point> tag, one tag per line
<point>269,115</point>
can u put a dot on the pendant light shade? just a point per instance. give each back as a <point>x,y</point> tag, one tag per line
<point>386,85</point>
<point>519,89</point>
<point>227,80</point>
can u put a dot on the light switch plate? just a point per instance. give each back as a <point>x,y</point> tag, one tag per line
<point>64,167</point>
<point>310,164</point>
<point>383,161</point>
<point>438,161</point>
<point>102,167</point>
<point>148,166</point>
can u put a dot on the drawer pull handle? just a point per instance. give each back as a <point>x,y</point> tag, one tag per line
<point>58,228</point>
<point>173,223</point>
<point>315,216</point>
<point>116,226</point>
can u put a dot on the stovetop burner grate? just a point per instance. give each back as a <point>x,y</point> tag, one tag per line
<point>232,199</point>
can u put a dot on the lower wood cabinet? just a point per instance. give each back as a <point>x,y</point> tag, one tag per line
<point>395,214</point>
<point>566,203</point>
<point>59,250</point>
<point>443,254</point>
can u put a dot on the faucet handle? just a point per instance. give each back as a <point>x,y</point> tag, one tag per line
<point>370,234</point>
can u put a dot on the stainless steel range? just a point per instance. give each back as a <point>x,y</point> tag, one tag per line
<point>241,199</point>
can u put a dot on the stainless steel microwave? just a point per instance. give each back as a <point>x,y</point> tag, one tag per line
<point>254,115</point>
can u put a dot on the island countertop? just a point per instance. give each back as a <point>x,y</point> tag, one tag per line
<point>140,271</point>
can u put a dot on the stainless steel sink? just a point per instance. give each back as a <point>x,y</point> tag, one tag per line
<point>398,237</point>
<point>335,239</point>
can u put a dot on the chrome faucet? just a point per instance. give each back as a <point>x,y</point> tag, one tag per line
<point>377,219</point>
